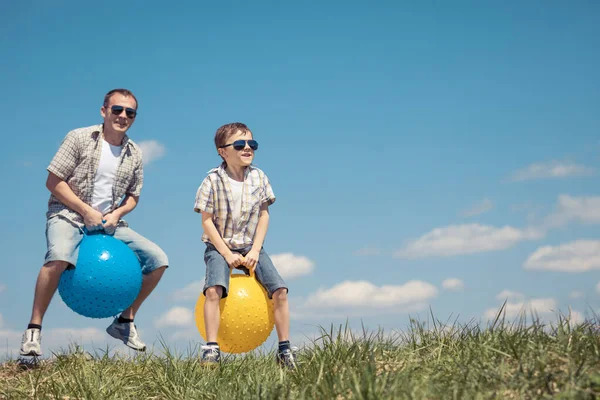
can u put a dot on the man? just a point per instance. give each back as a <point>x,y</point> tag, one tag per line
<point>95,179</point>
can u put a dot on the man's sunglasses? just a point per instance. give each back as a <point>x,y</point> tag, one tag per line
<point>118,110</point>
<point>241,144</point>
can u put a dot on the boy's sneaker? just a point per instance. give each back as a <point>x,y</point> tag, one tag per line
<point>31,344</point>
<point>211,355</point>
<point>127,333</point>
<point>287,359</point>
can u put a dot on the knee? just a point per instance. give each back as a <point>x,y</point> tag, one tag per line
<point>280,295</point>
<point>213,293</point>
<point>54,267</point>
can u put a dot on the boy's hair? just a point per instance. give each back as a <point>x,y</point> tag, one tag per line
<point>124,92</point>
<point>226,131</point>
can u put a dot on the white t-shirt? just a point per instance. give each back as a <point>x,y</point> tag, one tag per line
<point>236,192</point>
<point>105,177</point>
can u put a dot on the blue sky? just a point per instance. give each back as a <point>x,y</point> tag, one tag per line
<point>423,155</point>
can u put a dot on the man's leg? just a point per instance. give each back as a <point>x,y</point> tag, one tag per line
<point>45,287</point>
<point>149,282</point>
<point>154,262</point>
<point>62,239</point>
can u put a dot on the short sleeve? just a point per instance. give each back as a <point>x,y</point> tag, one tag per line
<point>135,187</point>
<point>66,158</point>
<point>267,193</point>
<point>205,197</point>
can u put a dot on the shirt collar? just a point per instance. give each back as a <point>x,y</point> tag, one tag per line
<point>99,132</point>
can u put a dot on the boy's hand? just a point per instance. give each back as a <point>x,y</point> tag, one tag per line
<point>111,223</point>
<point>234,260</point>
<point>251,259</point>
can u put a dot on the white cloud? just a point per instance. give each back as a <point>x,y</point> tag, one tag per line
<point>541,306</point>
<point>576,294</point>
<point>351,296</point>
<point>291,266</point>
<point>176,316</point>
<point>575,317</point>
<point>585,210</point>
<point>2,287</point>
<point>1,321</point>
<point>577,256</point>
<point>598,287</point>
<point>367,251</point>
<point>510,295</point>
<point>187,334</point>
<point>465,239</point>
<point>483,206</point>
<point>61,336</point>
<point>151,150</point>
<point>552,169</point>
<point>453,284</point>
<point>190,292</point>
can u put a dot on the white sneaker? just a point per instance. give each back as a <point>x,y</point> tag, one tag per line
<point>31,344</point>
<point>127,333</point>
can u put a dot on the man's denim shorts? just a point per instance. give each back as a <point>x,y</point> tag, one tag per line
<point>63,239</point>
<point>218,271</point>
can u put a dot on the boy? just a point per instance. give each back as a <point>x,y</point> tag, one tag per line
<point>234,201</point>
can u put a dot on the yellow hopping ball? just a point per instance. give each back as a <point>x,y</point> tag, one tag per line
<point>247,317</point>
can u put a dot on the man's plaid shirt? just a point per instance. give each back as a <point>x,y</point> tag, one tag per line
<point>214,197</point>
<point>76,163</point>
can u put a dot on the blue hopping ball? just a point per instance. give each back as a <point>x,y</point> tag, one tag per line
<point>106,279</point>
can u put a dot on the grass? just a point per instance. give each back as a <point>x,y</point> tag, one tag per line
<point>518,360</point>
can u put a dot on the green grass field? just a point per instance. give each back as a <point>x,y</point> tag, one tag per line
<point>516,360</point>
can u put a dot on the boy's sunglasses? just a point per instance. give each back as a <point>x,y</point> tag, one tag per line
<point>241,144</point>
<point>117,110</point>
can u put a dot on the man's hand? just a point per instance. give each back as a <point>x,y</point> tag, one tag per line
<point>251,259</point>
<point>234,260</point>
<point>112,220</point>
<point>93,220</point>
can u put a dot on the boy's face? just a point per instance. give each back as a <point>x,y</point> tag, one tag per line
<point>238,158</point>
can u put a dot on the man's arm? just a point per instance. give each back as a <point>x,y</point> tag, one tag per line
<point>59,188</point>
<point>112,218</point>
<point>233,259</point>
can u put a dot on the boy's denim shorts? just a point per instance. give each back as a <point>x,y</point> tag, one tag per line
<point>218,271</point>
<point>63,239</point>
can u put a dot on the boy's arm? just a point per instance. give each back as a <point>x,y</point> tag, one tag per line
<point>261,229</point>
<point>251,258</point>
<point>233,259</point>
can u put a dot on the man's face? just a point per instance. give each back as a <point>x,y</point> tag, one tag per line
<point>234,157</point>
<point>120,113</point>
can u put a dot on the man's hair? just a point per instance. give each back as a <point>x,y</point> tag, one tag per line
<point>226,131</point>
<point>124,92</point>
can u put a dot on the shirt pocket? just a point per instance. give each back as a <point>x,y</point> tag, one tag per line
<point>255,197</point>
<point>122,183</point>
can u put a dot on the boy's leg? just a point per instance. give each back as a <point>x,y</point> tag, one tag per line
<point>154,262</point>
<point>267,275</point>
<point>62,239</point>
<point>216,287</point>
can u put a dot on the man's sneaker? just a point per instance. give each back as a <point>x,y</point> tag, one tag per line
<point>31,344</point>
<point>211,355</point>
<point>127,333</point>
<point>287,359</point>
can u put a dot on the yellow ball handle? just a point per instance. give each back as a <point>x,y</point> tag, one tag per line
<point>250,270</point>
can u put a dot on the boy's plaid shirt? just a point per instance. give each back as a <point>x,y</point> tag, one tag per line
<point>76,162</point>
<point>214,197</point>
